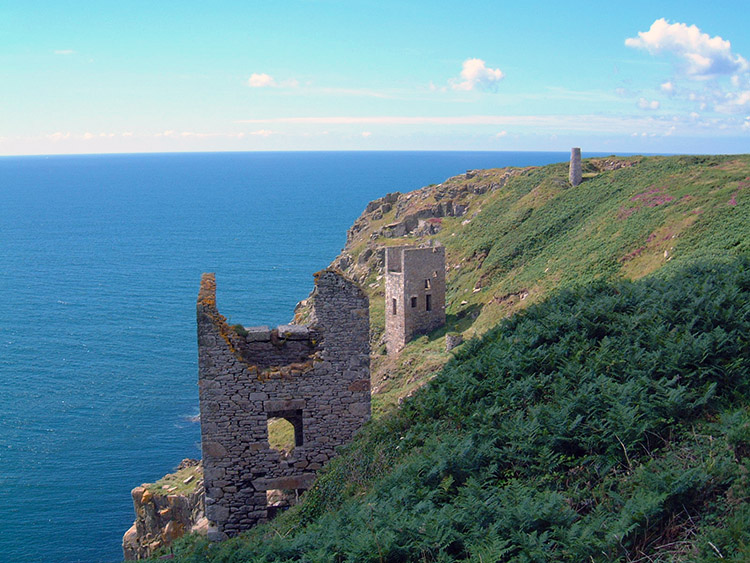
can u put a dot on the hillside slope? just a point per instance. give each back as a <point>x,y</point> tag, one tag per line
<point>609,423</point>
<point>513,235</point>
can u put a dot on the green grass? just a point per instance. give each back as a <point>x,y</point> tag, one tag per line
<point>596,419</point>
<point>280,434</point>
<point>537,234</point>
<point>174,483</point>
<point>609,423</point>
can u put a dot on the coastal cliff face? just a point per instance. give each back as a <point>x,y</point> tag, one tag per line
<point>514,236</point>
<point>166,510</point>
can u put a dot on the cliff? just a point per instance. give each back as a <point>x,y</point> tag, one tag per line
<point>515,235</point>
<point>609,421</point>
<point>166,510</point>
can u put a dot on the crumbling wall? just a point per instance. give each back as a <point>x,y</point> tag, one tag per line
<point>316,376</point>
<point>414,293</point>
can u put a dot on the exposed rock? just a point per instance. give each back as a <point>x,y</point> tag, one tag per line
<point>453,340</point>
<point>161,518</point>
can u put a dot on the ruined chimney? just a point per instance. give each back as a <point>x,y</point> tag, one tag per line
<point>575,166</point>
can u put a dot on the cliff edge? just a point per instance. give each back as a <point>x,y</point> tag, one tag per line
<point>166,510</point>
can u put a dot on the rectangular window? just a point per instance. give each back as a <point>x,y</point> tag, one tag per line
<point>413,302</point>
<point>428,302</point>
<point>393,303</point>
<point>427,284</point>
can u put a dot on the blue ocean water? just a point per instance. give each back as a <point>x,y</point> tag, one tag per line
<point>101,257</point>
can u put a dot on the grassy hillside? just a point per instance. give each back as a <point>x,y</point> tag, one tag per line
<point>527,232</point>
<point>602,411</point>
<point>610,422</point>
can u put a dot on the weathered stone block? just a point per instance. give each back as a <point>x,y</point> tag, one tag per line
<point>217,513</point>
<point>288,405</point>
<point>258,334</point>
<point>294,332</point>
<point>214,449</point>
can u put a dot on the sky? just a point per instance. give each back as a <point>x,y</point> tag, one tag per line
<point>162,76</point>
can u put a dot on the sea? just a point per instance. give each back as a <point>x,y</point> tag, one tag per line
<point>100,262</point>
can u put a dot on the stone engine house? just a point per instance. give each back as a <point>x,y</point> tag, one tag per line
<point>316,376</point>
<point>414,293</point>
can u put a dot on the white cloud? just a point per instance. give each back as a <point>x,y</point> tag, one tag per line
<point>262,133</point>
<point>643,103</point>
<point>704,56</point>
<point>58,136</point>
<point>88,136</point>
<point>64,52</point>
<point>261,80</point>
<point>366,134</point>
<point>735,102</point>
<point>476,76</point>
<point>501,134</point>
<point>667,88</point>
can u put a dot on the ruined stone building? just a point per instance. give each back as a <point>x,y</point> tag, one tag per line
<point>315,376</point>
<point>414,293</point>
<point>575,174</point>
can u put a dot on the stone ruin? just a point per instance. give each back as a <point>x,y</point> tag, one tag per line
<point>574,175</point>
<point>315,376</point>
<point>414,293</point>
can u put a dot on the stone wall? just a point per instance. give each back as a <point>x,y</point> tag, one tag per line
<point>575,174</point>
<point>316,376</point>
<point>414,293</point>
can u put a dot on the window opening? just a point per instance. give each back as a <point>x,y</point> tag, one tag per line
<point>428,302</point>
<point>413,302</point>
<point>285,431</point>
<point>393,304</point>
<point>427,284</point>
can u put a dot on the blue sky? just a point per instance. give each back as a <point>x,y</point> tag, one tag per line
<point>132,76</point>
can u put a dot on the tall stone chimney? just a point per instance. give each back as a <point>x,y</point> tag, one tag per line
<point>575,166</point>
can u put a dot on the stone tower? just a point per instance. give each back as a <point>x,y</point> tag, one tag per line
<point>414,293</point>
<point>575,175</point>
<point>317,377</point>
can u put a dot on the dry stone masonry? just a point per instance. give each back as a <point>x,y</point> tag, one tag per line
<point>575,176</point>
<point>317,377</point>
<point>414,293</point>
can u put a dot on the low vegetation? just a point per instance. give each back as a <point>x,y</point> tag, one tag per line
<point>610,422</point>
<point>181,482</point>
<point>534,234</point>
<point>601,413</point>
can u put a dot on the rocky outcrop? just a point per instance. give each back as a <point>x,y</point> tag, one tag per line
<point>165,512</point>
<point>415,214</point>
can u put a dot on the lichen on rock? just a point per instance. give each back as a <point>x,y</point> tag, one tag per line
<point>166,510</point>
